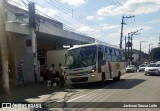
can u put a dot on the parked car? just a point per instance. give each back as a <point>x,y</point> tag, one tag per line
<point>131,68</point>
<point>142,67</point>
<point>152,68</point>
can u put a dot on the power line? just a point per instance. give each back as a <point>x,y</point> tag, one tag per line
<point>77,18</point>
<point>74,14</point>
<point>80,18</point>
<point>77,13</point>
<point>69,28</point>
<point>65,27</point>
<point>118,4</point>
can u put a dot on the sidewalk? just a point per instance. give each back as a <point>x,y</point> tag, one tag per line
<point>37,91</point>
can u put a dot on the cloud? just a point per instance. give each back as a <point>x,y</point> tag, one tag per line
<point>47,11</point>
<point>100,18</point>
<point>153,22</point>
<point>89,17</point>
<point>109,27</point>
<point>103,29</point>
<point>88,30</point>
<point>132,6</point>
<point>74,2</point>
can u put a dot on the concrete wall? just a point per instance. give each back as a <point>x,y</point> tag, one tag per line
<point>25,53</point>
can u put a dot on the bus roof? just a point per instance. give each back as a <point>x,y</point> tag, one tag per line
<point>92,44</point>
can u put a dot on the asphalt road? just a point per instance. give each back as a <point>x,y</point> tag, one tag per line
<point>134,89</point>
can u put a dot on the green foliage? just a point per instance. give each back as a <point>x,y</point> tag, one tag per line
<point>155,53</point>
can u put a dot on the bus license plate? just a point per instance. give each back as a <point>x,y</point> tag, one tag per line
<point>78,78</point>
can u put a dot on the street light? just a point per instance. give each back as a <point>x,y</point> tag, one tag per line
<point>140,52</point>
<point>134,33</point>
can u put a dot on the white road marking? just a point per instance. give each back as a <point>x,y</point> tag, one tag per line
<point>86,94</point>
<point>75,98</point>
<point>96,90</point>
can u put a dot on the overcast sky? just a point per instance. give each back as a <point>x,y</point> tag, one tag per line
<point>101,19</point>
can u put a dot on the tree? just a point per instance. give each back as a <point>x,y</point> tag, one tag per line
<point>4,48</point>
<point>155,54</point>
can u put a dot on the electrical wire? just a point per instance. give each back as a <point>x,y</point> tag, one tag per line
<point>74,15</point>
<point>69,23</point>
<point>65,26</point>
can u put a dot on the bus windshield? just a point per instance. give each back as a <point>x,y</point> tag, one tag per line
<point>81,57</point>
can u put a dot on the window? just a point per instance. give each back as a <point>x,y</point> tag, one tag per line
<point>122,56</point>
<point>118,55</point>
<point>28,42</point>
<point>114,58</point>
<point>107,51</point>
<point>107,54</point>
<point>100,55</point>
<point>108,57</point>
<point>112,52</point>
<point>117,52</point>
<point>101,50</point>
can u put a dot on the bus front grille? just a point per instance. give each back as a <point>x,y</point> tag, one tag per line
<point>82,79</point>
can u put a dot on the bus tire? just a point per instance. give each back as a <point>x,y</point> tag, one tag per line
<point>102,82</point>
<point>118,77</point>
<point>74,85</point>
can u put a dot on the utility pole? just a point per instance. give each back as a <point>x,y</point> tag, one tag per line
<point>32,24</point>
<point>128,45</point>
<point>140,52</point>
<point>131,45</point>
<point>122,23</point>
<point>4,48</point>
<point>159,41</point>
<point>125,50</point>
<point>131,37</point>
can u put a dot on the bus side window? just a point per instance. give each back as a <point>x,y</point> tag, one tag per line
<point>118,55</point>
<point>122,56</point>
<point>113,55</point>
<point>107,54</point>
<point>100,55</point>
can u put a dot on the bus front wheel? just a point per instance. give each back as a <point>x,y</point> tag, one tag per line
<point>102,82</point>
<point>75,85</point>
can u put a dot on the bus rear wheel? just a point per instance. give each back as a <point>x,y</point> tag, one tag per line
<point>118,77</point>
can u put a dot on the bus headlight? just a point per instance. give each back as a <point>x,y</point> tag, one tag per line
<point>92,70</point>
<point>92,75</point>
